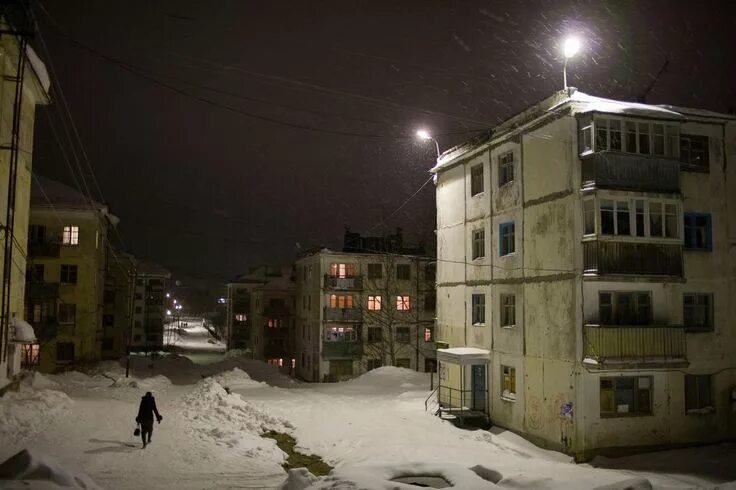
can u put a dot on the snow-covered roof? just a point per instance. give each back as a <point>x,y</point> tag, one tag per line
<point>62,196</point>
<point>39,68</point>
<point>583,102</point>
<point>464,355</point>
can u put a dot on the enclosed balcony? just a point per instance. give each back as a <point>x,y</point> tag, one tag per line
<point>342,350</point>
<point>613,170</point>
<point>632,258</point>
<point>343,283</point>
<point>630,347</point>
<point>42,290</point>
<point>50,250</point>
<point>343,314</point>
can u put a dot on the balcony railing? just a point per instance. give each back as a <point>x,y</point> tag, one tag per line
<point>342,350</point>
<point>42,290</point>
<point>343,314</point>
<point>44,249</point>
<point>355,282</point>
<point>611,258</point>
<point>634,345</point>
<point>613,170</point>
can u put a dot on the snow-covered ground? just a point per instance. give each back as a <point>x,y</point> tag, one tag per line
<point>371,429</point>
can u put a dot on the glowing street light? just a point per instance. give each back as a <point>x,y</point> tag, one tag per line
<point>424,135</point>
<point>168,312</point>
<point>570,48</point>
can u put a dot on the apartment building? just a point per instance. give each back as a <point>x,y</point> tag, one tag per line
<point>586,276</point>
<point>116,298</point>
<point>24,84</point>
<point>149,306</point>
<point>370,305</point>
<point>68,261</point>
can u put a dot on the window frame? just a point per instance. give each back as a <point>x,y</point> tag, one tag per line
<point>507,310</point>
<point>70,236</point>
<point>340,333</point>
<point>668,212</point>
<point>631,131</point>
<point>374,334</point>
<point>478,243</point>
<point>686,162</point>
<point>375,271</point>
<point>616,306</point>
<point>507,238</point>
<point>403,335</point>
<point>701,406</point>
<point>375,302</point>
<point>339,301</point>
<point>403,272</point>
<point>505,168</point>
<point>709,311</point>
<point>67,272</point>
<point>478,309</point>
<point>477,177</point>
<point>428,334</point>
<point>342,270</point>
<point>508,383</point>
<point>636,389</point>
<point>690,229</point>
<point>403,302</point>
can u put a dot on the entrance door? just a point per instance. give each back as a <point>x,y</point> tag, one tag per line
<point>480,390</point>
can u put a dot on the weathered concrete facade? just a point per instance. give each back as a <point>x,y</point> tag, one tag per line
<point>621,272</point>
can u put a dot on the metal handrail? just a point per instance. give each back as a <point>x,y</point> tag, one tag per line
<point>426,402</point>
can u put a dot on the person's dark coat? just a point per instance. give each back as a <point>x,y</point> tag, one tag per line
<point>147,410</point>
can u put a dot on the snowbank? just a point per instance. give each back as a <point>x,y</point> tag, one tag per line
<point>29,411</point>
<point>29,470</point>
<point>392,377</point>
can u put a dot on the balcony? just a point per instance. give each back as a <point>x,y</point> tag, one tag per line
<point>630,347</point>
<point>344,283</point>
<point>343,314</point>
<point>613,170</point>
<point>276,311</point>
<point>44,249</point>
<point>632,258</point>
<point>42,290</point>
<point>46,329</point>
<point>342,350</point>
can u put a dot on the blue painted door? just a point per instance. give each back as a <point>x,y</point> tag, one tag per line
<point>480,390</point>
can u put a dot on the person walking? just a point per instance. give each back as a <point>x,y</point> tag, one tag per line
<point>146,411</point>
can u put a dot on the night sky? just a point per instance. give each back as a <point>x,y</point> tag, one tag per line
<point>164,94</point>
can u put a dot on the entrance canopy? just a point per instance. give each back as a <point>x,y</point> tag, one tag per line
<point>464,356</point>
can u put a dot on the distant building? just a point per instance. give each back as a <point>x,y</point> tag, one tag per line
<point>149,306</point>
<point>586,283</point>
<point>370,305</point>
<point>33,89</point>
<point>68,262</point>
<point>259,317</point>
<point>117,303</point>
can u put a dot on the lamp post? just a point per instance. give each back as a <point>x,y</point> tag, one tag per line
<point>570,49</point>
<point>424,135</point>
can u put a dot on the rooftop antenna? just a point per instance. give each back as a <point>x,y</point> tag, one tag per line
<point>651,85</point>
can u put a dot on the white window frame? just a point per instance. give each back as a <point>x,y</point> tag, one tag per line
<point>670,133</point>
<point>70,235</point>
<point>374,302</point>
<point>648,206</point>
<point>478,243</point>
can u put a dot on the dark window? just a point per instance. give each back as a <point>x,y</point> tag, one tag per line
<point>694,152</point>
<point>403,334</point>
<point>109,296</point>
<point>34,273</point>
<point>430,272</point>
<point>137,337</point>
<point>698,392</point>
<point>478,302</point>
<point>68,274</point>
<point>371,364</point>
<point>138,309</point>
<point>698,311</point>
<point>403,363</point>
<point>508,310</point>
<point>476,180</point>
<point>138,296</point>
<point>698,231</point>
<point>626,396</point>
<point>507,238</point>
<point>36,234</point>
<point>108,320</point>
<point>589,216</point>
<point>430,302</point>
<point>624,308</point>
<point>403,271</point>
<point>108,343</point>
<point>67,313</point>
<point>430,365</point>
<point>375,271</point>
<point>505,168</point>
<point>65,351</point>
<point>375,334</point>
<point>479,244</point>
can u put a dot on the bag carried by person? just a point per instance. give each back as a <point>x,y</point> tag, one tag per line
<point>137,430</point>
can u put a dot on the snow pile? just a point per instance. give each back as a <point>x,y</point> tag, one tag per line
<point>238,353</point>
<point>299,479</point>
<point>23,331</point>
<point>29,469</point>
<point>38,381</point>
<point>29,411</point>
<point>237,379</point>
<point>214,416</point>
<point>388,377</point>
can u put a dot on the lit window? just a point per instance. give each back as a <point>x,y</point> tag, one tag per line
<point>429,334</point>
<point>70,235</point>
<point>341,301</point>
<point>340,334</point>
<point>342,270</point>
<point>31,355</point>
<point>240,317</point>
<point>374,303</point>
<point>403,303</point>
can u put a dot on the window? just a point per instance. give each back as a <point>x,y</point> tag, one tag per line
<point>694,152</point>
<point>430,272</point>
<point>138,296</point>
<point>138,309</point>
<point>109,296</point>
<point>430,302</point>
<point>36,234</point>
<point>375,334</point>
<point>108,320</point>
<point>585,140</point>
<point>137,337</point>
<point>403,334</point>
<point>698,231</point>
<point>632,137</point>
<point>274,323</point>
<point>375,271</point>
<point>430,365</point>
<point>374,303</point>
<point>505,168</point>
<point>340,334</point>
<point>240,317</point>
<point>68,274</point>
<point>372,364</point>
<point>31,355</point>
<point>478,302</point>
<point>589,217</point>
<point>342,270</point>
<point>64,351</point>
<point>476,180</point>
<point>403,363</point>
<point>507,238</point>
<point>508,310</point>
<point>70,235</point>
<point>639,218</point>
<point>626,395</point>
<point>624,308</point>
<point>342,301</point>
<point>403,303</point>
<point>508,383</point>
<point>67,313</point>
<point>429,334</point>
<point>698,393</point>
<point>698,311</point>
<point>403,272</point>
<point>615,217</point>
<point>108,343</point>
<point>479,244</point>
<point>34,273</point>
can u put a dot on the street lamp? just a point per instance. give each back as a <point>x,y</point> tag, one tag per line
<point>424,135</point>
<point>570,48</point>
